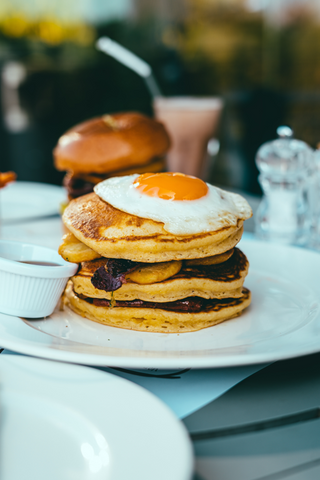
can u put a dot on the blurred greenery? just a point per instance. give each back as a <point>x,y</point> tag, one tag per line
<point>267,73</point>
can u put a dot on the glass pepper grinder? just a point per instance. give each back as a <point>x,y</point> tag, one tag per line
<point>284,164</point>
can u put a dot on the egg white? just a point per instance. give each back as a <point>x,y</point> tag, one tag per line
<point>215,210</point>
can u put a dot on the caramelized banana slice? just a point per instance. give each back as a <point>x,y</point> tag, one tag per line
<point>74,251</point>
<point>214,260</point>
<point>154,273</point>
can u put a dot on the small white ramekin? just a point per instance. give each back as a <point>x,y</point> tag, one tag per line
<point>28,290</point>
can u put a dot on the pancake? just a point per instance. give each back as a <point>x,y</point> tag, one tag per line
<point>116,234</point>
<point>161,320</point>
<point>223,280</point>
<point>171,265</point>
<point>74,251</point>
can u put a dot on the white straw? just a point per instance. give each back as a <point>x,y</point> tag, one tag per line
<point>131,61</point>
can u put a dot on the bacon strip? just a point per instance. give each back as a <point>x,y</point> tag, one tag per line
<point>111,279</point>
<point>76,187</point>
<point>190,304</point>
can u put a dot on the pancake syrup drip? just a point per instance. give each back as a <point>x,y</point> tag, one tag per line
<point>39,263</point>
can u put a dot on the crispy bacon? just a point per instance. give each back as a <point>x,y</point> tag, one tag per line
<point>76,187</point>
<point>111,279</point>
<point>190,304</point>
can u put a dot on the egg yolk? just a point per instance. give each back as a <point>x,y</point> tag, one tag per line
<point>171,186</point>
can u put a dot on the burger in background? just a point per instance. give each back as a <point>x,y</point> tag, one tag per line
<point>109,146</point>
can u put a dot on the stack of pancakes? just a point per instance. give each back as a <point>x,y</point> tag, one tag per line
<point>134,274</point>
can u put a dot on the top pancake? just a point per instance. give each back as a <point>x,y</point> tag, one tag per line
<point>116,234</point>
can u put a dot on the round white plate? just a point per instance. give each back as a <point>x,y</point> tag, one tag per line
<point>283,321</point>
<point>28,200</point>
<point>68,422</point>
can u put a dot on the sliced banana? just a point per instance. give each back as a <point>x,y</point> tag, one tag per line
<point>213,260</point>
<point>74,251</point>
<point>154,272</point>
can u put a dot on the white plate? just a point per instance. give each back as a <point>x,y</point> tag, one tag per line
<point>28,200</point>
<point>67,422</point>
<point>283,321</point>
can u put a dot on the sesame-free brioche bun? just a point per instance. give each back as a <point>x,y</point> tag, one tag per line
<point>111,143</point>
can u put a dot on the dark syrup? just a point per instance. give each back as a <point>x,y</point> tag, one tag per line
<point>41,264</point>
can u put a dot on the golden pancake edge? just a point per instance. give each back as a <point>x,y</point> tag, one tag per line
<point>116,234</point>
<point>224,280</point>
<point>157,320</point>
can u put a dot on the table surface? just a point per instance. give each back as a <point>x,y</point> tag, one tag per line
<point>265,428</point>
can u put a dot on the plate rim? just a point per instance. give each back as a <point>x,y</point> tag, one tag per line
<point>95,360</point>
<point>48,188</point>
<point>100,382</point>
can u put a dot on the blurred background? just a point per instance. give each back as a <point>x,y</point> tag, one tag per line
<point>260,56</point>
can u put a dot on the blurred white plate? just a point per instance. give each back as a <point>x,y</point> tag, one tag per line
<point>67,422</point>
<point>283,321</point>
<point>28,200</point>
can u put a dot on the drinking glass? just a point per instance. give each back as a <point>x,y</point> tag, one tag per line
<point>191,122</point>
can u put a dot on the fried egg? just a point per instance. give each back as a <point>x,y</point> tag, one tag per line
<point>184,204</point>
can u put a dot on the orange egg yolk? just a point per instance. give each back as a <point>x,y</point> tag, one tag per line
<point>171,186</point>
